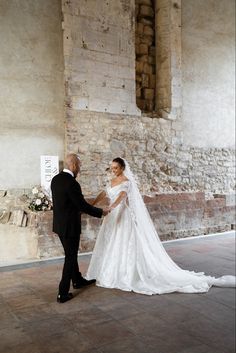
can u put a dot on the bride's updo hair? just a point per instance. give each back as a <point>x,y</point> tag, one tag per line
<point>120,161</point>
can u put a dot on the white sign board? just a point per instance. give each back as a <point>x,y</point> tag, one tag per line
<point>49,168</point>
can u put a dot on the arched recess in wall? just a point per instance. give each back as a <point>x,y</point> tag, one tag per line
<point>145,55</point>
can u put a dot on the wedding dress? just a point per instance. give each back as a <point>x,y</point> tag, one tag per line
<point>129,255</point>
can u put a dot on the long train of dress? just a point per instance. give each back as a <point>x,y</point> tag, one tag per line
<point>133,259</point>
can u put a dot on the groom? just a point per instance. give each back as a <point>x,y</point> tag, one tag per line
<point>68,204</point>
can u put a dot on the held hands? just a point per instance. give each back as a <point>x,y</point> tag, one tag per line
<point>106,210</point>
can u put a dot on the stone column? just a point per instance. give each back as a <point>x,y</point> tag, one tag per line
<point>168,58</point>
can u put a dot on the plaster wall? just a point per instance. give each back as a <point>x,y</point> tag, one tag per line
<point>208,69</point>
<point>31,89</point>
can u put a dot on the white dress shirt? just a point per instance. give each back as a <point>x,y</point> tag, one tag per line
<point>68,171</point>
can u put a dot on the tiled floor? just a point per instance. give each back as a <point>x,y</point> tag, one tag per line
<point>111,321</point>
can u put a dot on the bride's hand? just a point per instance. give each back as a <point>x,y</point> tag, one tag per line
<point>111,208</point>
<point>106,210</point>
<point>99,198</point>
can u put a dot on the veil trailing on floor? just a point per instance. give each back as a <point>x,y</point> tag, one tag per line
<point>154,249</point>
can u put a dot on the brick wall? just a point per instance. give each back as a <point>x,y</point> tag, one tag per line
<point>28,235</point>
<point>190,214</point>
<point>174,216</point>
<point>145,55</point>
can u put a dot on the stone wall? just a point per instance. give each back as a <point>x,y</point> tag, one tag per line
<point>149,146</point>
<point>145,55</point>
<point>168,59</point>
<point>31,89</point>
<point>99,52</point>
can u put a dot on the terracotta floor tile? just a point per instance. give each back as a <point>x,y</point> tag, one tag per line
<point>130,345</point>
<point>106,332</point>
<point>22,348</point>
<point>12,337</point>
<point>35,313</point>
<point>120,310</point>
<point>69,342</point>
<point>39,329</point>
<point>89,316</point>
<point>24,301</point>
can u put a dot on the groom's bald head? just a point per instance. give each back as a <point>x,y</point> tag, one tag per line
<point>72,162</point>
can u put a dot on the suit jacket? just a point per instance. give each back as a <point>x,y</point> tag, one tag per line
<point>68,204</point>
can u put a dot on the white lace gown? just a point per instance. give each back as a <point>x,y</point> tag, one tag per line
<point>130,259</point>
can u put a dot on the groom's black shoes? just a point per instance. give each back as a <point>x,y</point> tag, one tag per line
<point>64,298</point>
<point>83,283</point>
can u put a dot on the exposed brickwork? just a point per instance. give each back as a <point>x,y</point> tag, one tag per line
<point>189,214</point>
<point>145,55</point>
<point>174,215</point>
<point>49,244</point>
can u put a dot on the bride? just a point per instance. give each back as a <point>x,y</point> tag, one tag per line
<point>128,253</point>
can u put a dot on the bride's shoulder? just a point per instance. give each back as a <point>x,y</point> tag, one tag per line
<point>114,180</point>
<point>126,183</point>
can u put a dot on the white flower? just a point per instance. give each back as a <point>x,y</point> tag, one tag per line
<point>35,190</point>
<point>41,194</point>
<point>46,202</point>
<point>38,202</point>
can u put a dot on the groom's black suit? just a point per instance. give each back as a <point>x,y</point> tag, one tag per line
<point>68,204</point>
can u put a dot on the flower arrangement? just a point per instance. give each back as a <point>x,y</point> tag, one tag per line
<point>39,201</point>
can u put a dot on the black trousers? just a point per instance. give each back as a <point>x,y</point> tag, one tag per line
<point>71,267</point>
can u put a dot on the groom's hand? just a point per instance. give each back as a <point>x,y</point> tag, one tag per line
<point>105,211</point>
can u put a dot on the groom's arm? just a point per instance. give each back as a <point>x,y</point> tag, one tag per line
<point>78,200</point>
